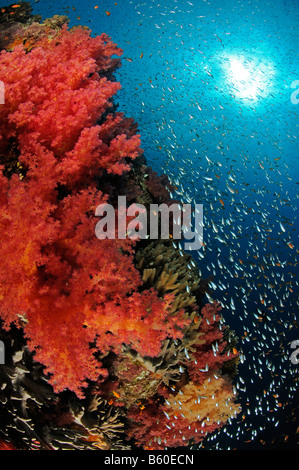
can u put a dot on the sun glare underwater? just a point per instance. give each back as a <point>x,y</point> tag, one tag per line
<point>214,89</point>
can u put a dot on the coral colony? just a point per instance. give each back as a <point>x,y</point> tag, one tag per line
<point>108,342</point>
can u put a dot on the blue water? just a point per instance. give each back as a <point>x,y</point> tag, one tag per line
<point>210,85</point>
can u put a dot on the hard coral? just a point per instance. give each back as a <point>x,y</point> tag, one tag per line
<point>34,417</point>
<point>202,401</point>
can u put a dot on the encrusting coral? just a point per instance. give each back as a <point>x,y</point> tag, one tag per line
<point>101,335</point>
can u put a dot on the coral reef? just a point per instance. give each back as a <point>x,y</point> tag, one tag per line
<point>60,273</point>
<point>108,343</point>
<point>203,400</point>
<point>14,21</point>
<point>34,417</point>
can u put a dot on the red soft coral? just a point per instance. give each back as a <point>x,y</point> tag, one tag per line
<point>68,289</point>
